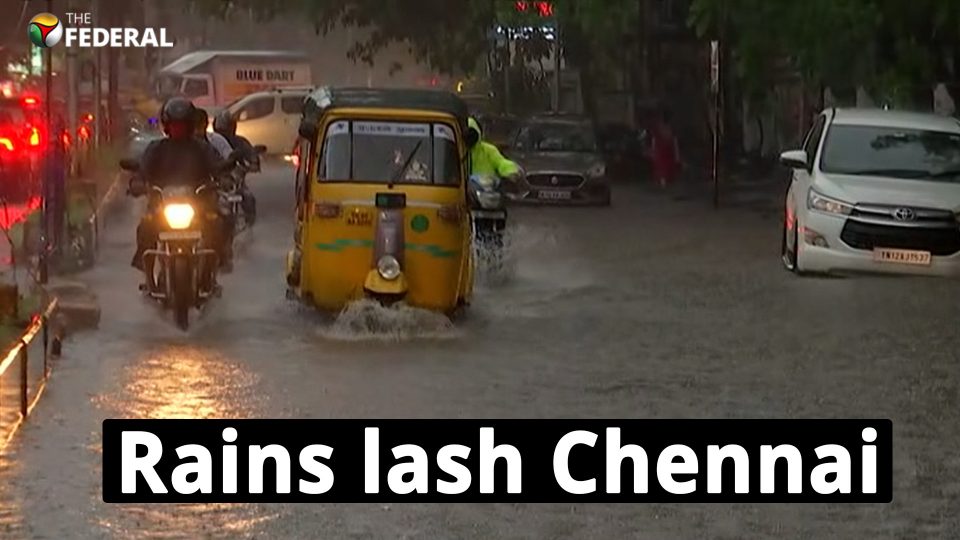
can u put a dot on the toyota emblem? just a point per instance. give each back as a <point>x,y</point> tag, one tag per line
<point>554,180</point>
<point>904,214</point>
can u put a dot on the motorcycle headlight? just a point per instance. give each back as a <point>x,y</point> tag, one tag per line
<point>822,203</point>
<point>179,216</point>
<point>597,170</point>
<point>388,267</point>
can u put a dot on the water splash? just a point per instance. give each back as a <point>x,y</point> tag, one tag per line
<point>368,320</point>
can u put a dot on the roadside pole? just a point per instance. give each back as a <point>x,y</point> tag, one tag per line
<point>506,73</point>
<point>715,89</point>
<point>97,87</point>
<point>47,165</point>
<point>556,66</point>
<point>72,106</point>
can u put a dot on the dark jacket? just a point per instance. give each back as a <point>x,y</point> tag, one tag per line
<point>247,153</point>
<point>179,162</point>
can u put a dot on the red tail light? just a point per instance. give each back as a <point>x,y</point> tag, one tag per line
<point>6,143</point>
<point>34,139</point>
<point>326,210</point>
<point>449,213</point>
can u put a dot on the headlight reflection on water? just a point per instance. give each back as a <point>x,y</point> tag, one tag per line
<point>185,382</point>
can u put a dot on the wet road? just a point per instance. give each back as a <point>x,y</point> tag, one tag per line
<point>651,309</point>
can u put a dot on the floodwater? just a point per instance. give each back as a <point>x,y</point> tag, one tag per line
<point>650,309</point>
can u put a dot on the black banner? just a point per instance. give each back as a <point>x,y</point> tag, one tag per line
<point>497,461</point>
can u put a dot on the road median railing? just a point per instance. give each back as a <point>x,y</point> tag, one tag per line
<point>25,369</point>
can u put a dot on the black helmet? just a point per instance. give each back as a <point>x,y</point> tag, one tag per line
<point>225,124</point>
<point>178,111</point>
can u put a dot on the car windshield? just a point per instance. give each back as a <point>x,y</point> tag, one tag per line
<point>383,152</point>
<point>557,137</point>
<point>882,151</point>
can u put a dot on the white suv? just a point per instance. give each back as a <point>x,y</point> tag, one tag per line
<point>875,191</point>
<point>270,118</point>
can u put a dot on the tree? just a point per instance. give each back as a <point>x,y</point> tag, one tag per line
<point>888,46</point>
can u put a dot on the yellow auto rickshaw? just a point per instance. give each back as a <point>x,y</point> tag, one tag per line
<point>381,200</point>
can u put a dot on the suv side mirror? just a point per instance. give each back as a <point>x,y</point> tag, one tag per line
<point>795,159</point>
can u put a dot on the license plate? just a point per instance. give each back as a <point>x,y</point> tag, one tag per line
<point>554,195</point>
<point>234,198</point>
<point>902,256</point>
<point>180,235</point>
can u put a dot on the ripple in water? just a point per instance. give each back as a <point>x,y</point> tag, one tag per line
<point>368,320</point>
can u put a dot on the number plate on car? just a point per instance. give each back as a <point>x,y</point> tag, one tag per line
<point>902,256</point>
<point>554,195</point>
<point>234,198</point>
<point>180,235</point>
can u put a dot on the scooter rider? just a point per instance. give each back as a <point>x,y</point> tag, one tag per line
<point>178,159</point>
<point>225,125</point>
<point>485,158</point>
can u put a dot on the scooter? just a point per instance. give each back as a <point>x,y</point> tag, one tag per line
<point>488,214</point>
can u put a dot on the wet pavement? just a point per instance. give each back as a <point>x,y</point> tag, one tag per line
<point>654,308</point>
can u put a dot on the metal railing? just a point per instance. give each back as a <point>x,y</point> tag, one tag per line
<point>24,372</point>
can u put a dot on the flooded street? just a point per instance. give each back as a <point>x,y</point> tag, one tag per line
<point>653,308</point>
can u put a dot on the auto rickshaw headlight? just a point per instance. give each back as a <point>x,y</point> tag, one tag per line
<point>178,215</point>
<point>388,267</point>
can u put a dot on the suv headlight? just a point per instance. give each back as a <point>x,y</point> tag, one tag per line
<point>178,215</point>
<point>821,203</point>
<point>598,170</point>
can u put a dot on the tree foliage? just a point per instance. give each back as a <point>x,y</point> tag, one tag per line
<point>888,46</point>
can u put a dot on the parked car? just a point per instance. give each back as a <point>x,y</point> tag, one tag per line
<point>21,148</point>
<point>875,191</point>
<point>562,161</point>
<point>270,118</point>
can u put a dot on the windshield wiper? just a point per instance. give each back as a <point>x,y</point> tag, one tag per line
<point>399,174</point>
<point>901,173</point>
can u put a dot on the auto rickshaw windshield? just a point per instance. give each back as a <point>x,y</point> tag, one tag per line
<point>390,152</point>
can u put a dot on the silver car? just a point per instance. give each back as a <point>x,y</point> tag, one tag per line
<point>562,161</point>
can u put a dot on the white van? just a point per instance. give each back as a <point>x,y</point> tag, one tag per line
<point>270,118</point>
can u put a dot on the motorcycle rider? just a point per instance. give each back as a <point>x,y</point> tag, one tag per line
<point>226,126</point>
<point>178,159</point>
<point>218,141</point>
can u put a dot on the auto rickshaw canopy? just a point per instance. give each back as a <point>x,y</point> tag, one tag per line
<point>327,98</point>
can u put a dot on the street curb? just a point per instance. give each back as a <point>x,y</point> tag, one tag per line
<point>79,308</point>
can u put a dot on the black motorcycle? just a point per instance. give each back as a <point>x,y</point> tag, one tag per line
<point>181,270</point>
<point>241,210</point>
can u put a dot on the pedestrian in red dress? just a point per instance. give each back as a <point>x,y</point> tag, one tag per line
<point>664,152</point>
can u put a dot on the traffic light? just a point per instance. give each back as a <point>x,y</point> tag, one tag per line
<point>541,8</point>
